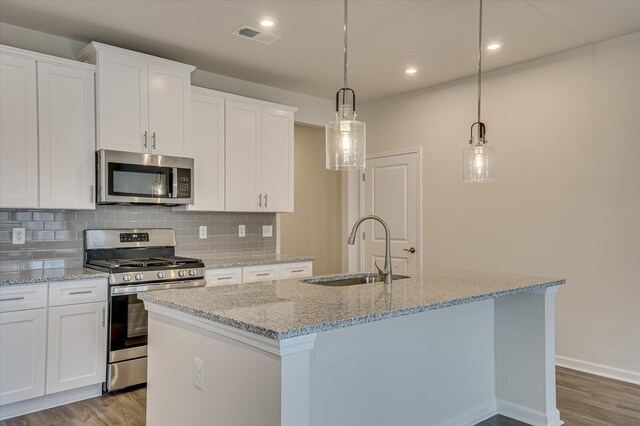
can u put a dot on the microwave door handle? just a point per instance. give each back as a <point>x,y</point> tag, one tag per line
<point>175,183</point>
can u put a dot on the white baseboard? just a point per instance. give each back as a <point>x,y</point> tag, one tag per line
<point>49,401</point>
<point>598,369</point>
<point>527,415</point>
<point>479,413</point>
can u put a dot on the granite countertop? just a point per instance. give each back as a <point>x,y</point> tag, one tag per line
<point>234,262</point>
<point>46,275</point>
<point>288,308</point>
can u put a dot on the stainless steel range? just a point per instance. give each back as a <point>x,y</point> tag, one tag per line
<point>137,260</point>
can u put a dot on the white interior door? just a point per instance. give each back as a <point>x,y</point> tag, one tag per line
<point>391,191</point>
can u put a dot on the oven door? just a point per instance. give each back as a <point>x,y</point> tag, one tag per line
<point>128,318</point>
<point>126,177</point>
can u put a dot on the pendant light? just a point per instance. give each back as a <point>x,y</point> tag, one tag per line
<point>478,158</point>
<point>345,137</point>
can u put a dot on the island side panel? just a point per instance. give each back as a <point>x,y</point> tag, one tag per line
<point>241,383</point>
<point>433,368</point>
<point>525,357</point>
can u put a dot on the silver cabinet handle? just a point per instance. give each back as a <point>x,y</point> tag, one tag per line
<point>103,316</point>
<point>12,299</point>
<point>91,194</point>
<point>263,275</point>
<point>260,202</point>
<point>153,140</point>
<point>224,278</point>
<point>145,139</point>
<point>411,250</point>
<point>265,200</point>
<point>298,270</point>
<point>80,292</point>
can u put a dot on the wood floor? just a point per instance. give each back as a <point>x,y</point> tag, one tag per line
<point>583,400</point>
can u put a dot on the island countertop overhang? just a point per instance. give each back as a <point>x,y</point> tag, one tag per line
<point>286,309</point>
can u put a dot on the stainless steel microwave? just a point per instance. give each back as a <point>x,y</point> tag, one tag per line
<point>137,178</point>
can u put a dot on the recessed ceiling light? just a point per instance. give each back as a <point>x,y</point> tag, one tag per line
<point>267,22</point>
<point>410,70</point>
<point>494,46</point>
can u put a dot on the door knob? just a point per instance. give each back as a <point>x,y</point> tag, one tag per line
<point>411,250</point>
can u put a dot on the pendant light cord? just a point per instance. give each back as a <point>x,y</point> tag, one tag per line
<point>479,64</point>
<point>345,43</point>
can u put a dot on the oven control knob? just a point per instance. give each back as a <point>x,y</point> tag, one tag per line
<point>126,277</point>
<point>192,272</point>
<point>161,275</point>
<point>181,273</point>
<point>138,277</point>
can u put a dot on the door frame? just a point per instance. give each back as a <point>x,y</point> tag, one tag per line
<point>357,256</point>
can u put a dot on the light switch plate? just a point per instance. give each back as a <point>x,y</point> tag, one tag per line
<point>203,232</point>
<point>18,236</point>
<point>242,231</point>
<point>267,231</point>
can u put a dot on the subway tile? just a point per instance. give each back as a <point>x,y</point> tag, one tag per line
<point>156,216</point>
<point>8,226</point>
<point>53,245</point>
<point>54,226</point>
<point>5,236</point>
<point>33,245</point>
<point>86,216</point>
<point>9,266</point>
<point>4,215</point>
<point>44,235</point>
<point>77,244</point>
<point>123,216</point>
<point>53,264</point>
<point>96,225</point>
<point>43,216</point>
<point>20,255</point>
<point>31,264</point>
<point>43,254</point>
<point>77,226</point>
<point>65,254</point>
<point>65,235</point>
<point>66,216</point>
<point>21,216</point>
<point>106,216</point>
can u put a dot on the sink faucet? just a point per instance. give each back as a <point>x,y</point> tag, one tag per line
<point>386,272</point>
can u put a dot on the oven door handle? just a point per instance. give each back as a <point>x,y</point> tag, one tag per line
<point>133,289</point>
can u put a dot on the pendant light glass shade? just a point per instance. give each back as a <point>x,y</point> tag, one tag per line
<point>345,142</point>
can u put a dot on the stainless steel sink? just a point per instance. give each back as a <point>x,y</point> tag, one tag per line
<point>355,279</point>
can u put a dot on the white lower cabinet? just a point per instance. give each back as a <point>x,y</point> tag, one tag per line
<point>77,346</point>
<point>23,336</point>
<point>257,273</point>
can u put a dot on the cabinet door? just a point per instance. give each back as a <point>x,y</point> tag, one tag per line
<point>207,140</point>
<point>67,137</point>
<point>18,133</point>
<point>169,111</point>
<point>242,127</point>
<point>22,354</point>
<point>77,347</point>
<point>123,103</point>
<point>276,159</point>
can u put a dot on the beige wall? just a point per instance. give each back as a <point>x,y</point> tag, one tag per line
<point>567,198</point>
<point>315,227</point>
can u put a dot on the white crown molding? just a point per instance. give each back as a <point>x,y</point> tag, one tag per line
<point>41,57</point>
<point>233,97</point>
<point>94,46</point>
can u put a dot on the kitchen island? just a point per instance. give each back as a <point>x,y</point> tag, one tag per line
<point>439,348</point>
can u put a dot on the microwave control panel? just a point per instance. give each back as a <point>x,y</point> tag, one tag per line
<point>184,183</point>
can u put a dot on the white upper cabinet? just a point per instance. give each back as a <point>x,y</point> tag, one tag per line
<point>276,159</point>
<point>47,142</point>
<point>242,139</point>
<point>67,136</point>
<point>18,132</point>
<point>259,157</point>
<point>207,143</point>
<point>143,101</point>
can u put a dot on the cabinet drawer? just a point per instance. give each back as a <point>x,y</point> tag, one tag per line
<point>223,276</point>
<point>252,274</point>
<point>23,296</point>
<point>80,291</point>
<point>295,270</point>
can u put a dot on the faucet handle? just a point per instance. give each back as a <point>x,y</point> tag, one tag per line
<point>380,271</point>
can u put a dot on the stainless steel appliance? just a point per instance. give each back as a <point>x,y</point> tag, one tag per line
<point>137,260</point>
<point>130,177</point>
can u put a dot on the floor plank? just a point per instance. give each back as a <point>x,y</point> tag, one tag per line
<point>583,400</point>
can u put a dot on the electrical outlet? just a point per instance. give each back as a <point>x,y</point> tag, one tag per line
<point>242,232</point>
<point>203,232</point>
<point>18,236</point>
<point>267,231</point>
<point>198,373</point>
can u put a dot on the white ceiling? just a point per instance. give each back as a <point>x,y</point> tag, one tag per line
<point>437,36</point>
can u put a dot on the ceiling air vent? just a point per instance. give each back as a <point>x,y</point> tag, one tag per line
<point>257,35</point>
